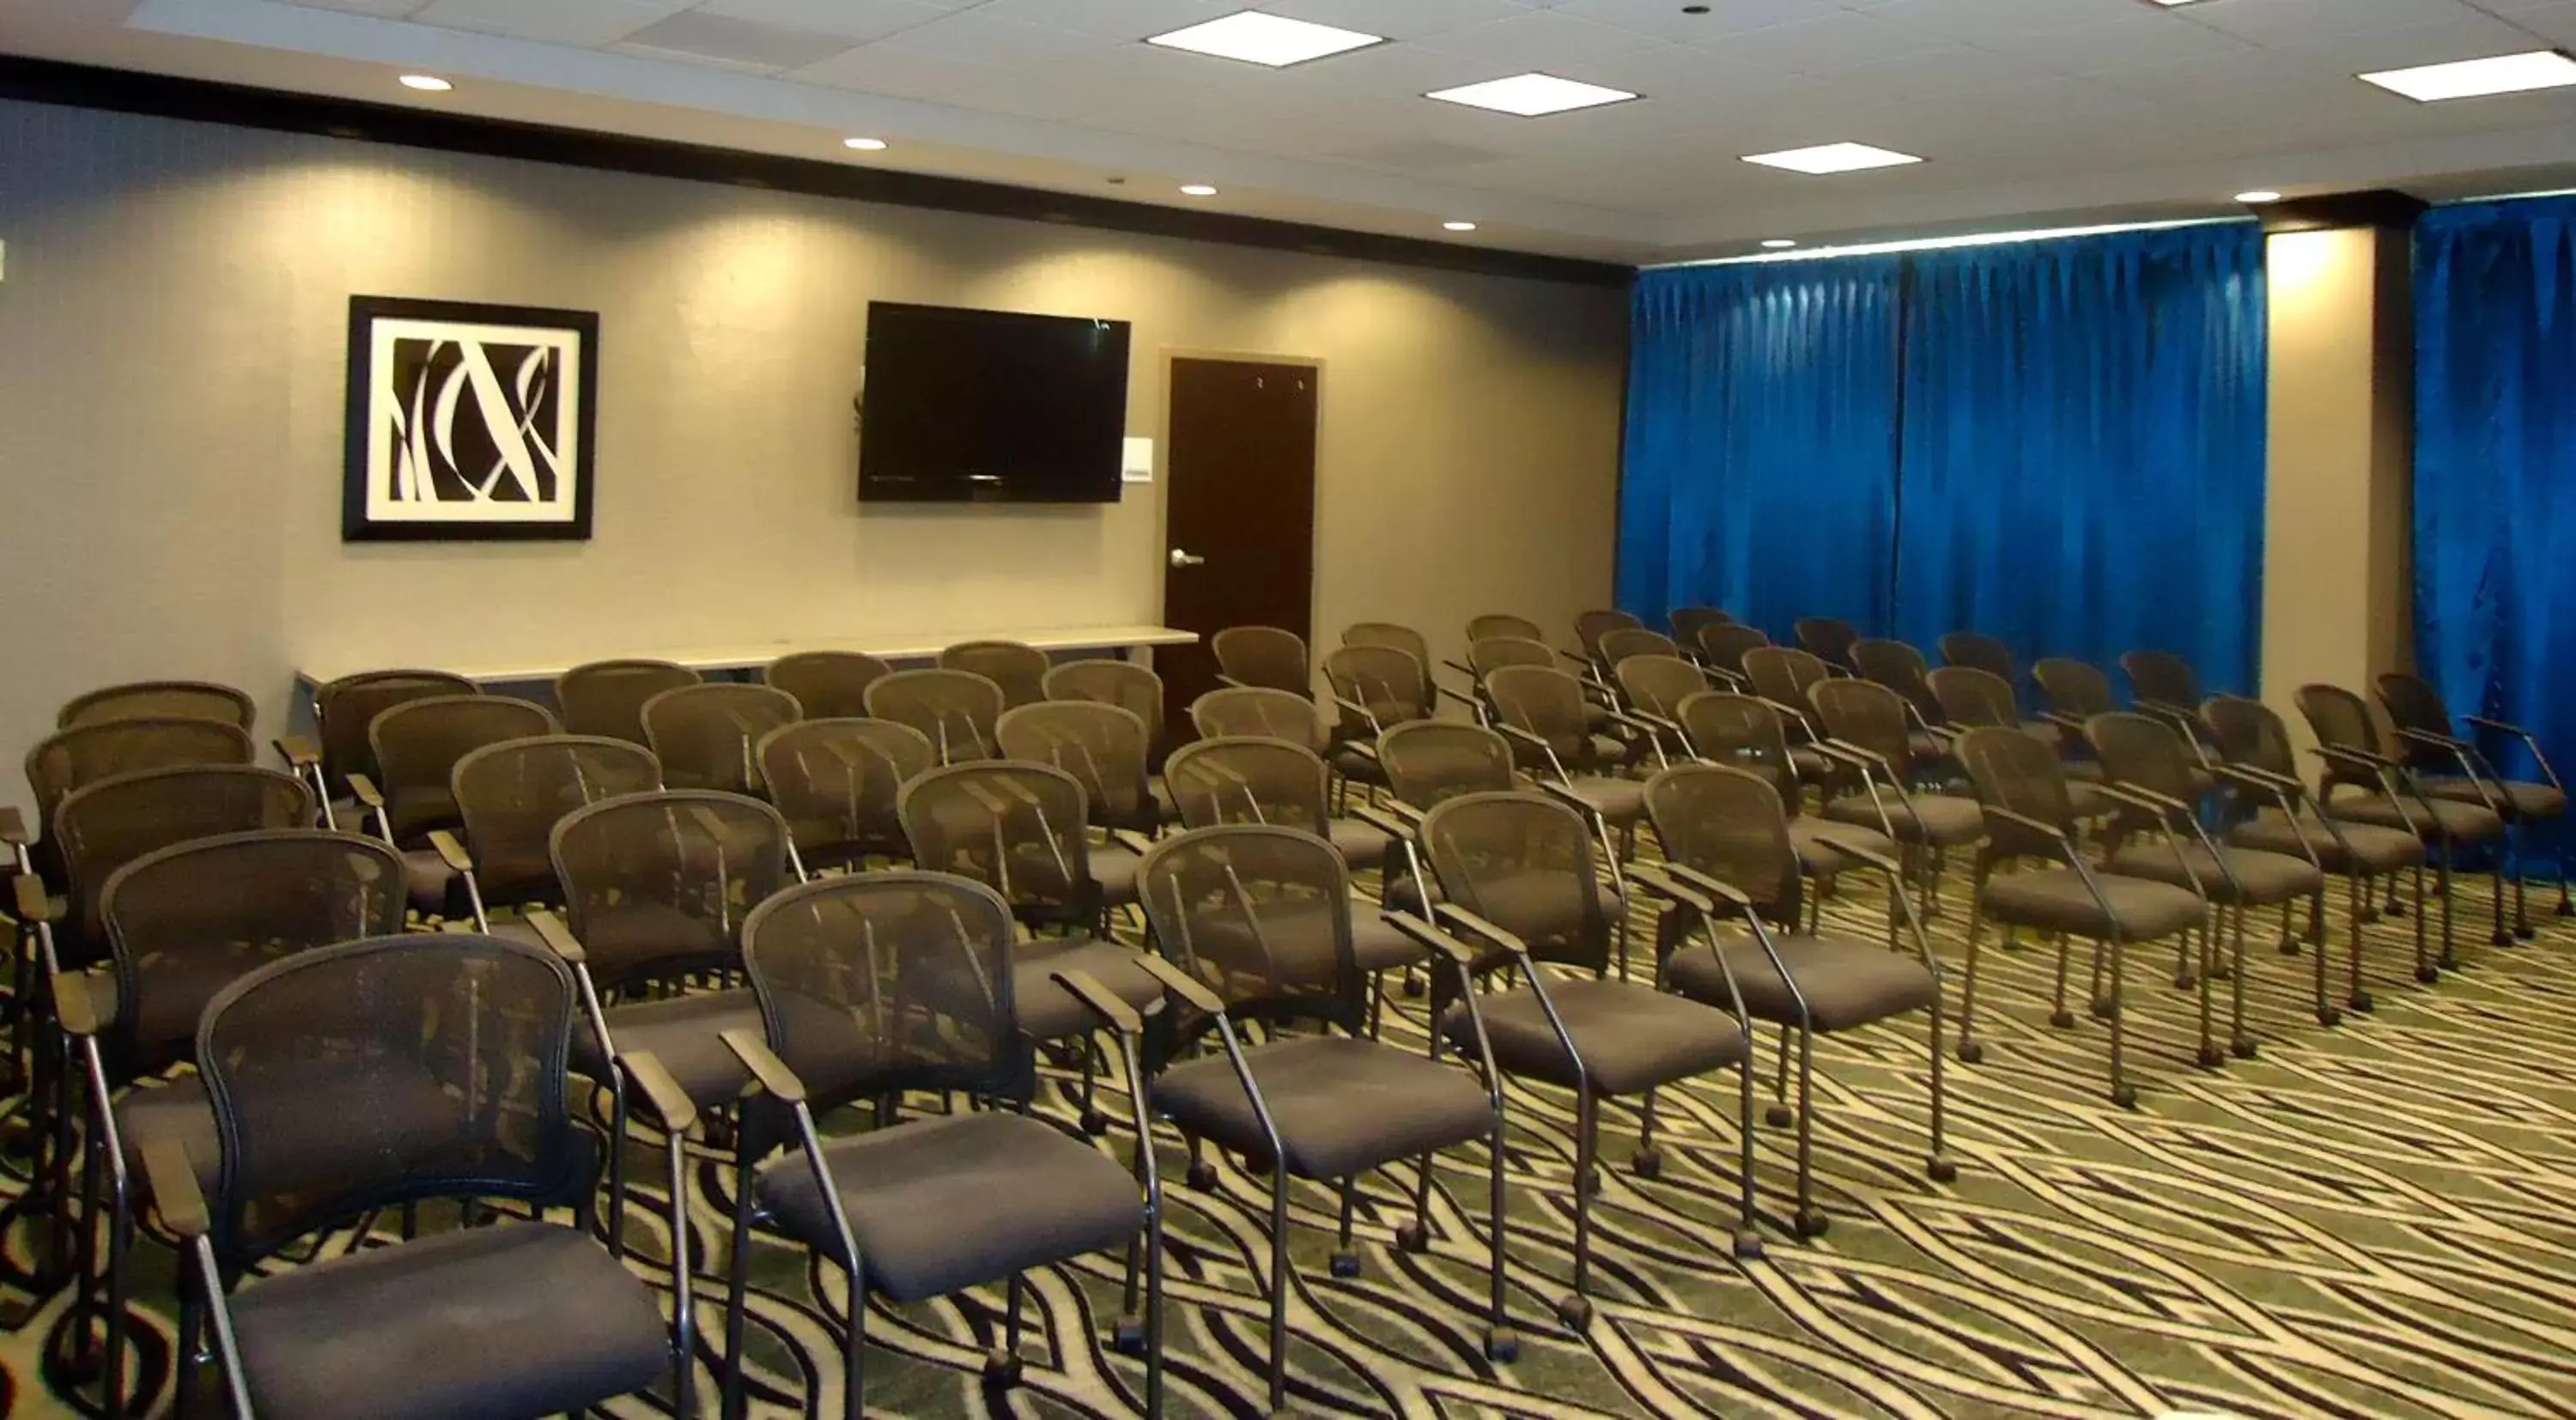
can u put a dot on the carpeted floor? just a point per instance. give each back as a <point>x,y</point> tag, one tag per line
<point>2377,1219</point>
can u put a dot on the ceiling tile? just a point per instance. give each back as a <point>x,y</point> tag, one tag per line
<point>2113,44</point>
<point>976,38</point>
<point>1665,19</point>
<point>1817,45</point>
<point>2475,37</point>
<point>1986,19</point>
<point>1934,71</point>
<point>1388,70</point>
<point>1124,19</point>
<point>394,9</point>
<point>2555,22</point>
<point>697,35</point>
<point>1410,19</point>
<point>856,19</point>
<point>589,23</point>
<point>2294,22</point>
<point>1543,39</point>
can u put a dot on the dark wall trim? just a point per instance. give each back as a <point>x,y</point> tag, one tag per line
<point>2370,207</point>
<point>126,91</point>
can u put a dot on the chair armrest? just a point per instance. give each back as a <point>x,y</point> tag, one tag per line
<point>2146,799</point>
<point>1514,732</point>
<point>1354,707</point>
<point>1432,937</point>
<point>1460,696</point>
<point>1782,707</point>
<point>2051,831</point>
<point>1474,925</point>
<point>670,1104</point>
<point>1461,667</point>
<point>76,1006</point>
<point>175,1195</point>
<point>2502,726</point>
<point>1856,753</point>
<point>1180,983</point>
<point>1132,841</point>
<point>1665,723</point>
<point>1568,797</point>
<point>1098,999</point>
<point>2072,724</point>
<point>1365,749</point>
<point>451,852</point>
<point>368,795</point>
<point>13,826</point>
<point>33,904</point>
<point>299,751</point>
<point>2255,774</point>
<point>1718,888</point>
<point>775,1078</point>
<point>1863,852</point>
<point>1227,680</point>
<point>2346,755</point>
<point>1384,822</point>
<point>1652,877</point>
<point>558,938</point>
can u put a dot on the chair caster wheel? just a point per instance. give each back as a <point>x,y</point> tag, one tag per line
<point>2362,1003</point>
<point>1412,989</point>
<point>1201,1177</point>
<point>1941,1170</point>
<point>2210,1057</point>
<point>1780,1116</point>
<point>1648,1163</point>
<point>2329,1016</point>
<point>1412,1237</point>
<point>1502,1344</point>
<point>2394,908</point>
<point>2428,974</point>
<point>2104,1008</point>
<point>1128,1337</point>
<point>2524,933</point>
<point>1971,1052</point>
<point>2366,916</point>
<point>2063,1020</point>
<point>1575,1312</point>
<point>1346,1265</point>
<point>2183,981</point>
<point>2289,946</point>
<point>1001,1368</point>
<point>2500,939</point>
<point>2125,1096</point>
<point>2566,908</point>
<point>1094,1123</point>
<point>1810,1223</point>
<point>2244,1046</point>
<point>1748,1245</point>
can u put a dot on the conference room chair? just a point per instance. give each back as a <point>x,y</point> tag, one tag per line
<point>1495,625</point>
<point>1019,669</point>
<point>1521,888</point>
<point>1104,748</point>
<point>1591,626</point>
<point>1373,687</point>
<point>1492,653</point>
<point>2452,766</point>
<point>1722,648</point>
<point>1901,668</point>
<point>2162,684</point>
<point>879,984</point>
<point>1867,732</point>
<point>1828,639</point>
<point>1541,710</point>
<point>607,697</point>
<point>2029,819</point>
<point>2076,691</point>
<point>183,922</point>
<point>706,736</point>
<point>955,710</point>
<point>1978,651</point>
<point>1724,832</point>
<point>1743,732</point>
<point>2392,796</point>
<point>1972,698</point>
<point>1254,924</point>
<point>1429,762</point>
<point>68,759</point>
<point>2277,814</point>
<point>1236,711</point>
<point>1263,656</point>
<point>836,783</point>
<point>196,699</point>
<point>416,746</point>
<point>380,1074</point>
<point>342,711</point>
<point>1125,684</point>
<point>830,685</point>
<point>1782,676</point>
<point>2147,766</point>
<point>1652,688</point>
<point>656,887</point>
<point>1688,622</point>
<point>1620,642</point>
<point>510,796</point>
<point>1388,633</point>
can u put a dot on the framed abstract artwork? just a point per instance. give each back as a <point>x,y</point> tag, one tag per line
<point>468,422</point>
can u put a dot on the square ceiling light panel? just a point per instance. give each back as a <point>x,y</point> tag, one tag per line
<point>2474,78</point>
<point>1273,40</point>
<point>1531,95</point>
<point>1833,158</point>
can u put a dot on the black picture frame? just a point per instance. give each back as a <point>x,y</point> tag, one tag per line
<point>423,461</point>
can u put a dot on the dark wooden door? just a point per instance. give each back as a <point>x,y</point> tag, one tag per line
<point>1239,511</point>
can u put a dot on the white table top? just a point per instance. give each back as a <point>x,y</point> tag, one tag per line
<point>893,646</point>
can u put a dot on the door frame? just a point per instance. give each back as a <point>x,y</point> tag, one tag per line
<point>1166,355</point>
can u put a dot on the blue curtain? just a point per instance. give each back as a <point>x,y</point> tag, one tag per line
<point>2083,448</point>
<point>2495,464</point>
<point>1760,472</point>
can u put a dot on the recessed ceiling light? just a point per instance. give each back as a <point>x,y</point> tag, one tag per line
<point>865,145</point>
<point>2258,197</point>
<point>1833,158</point>
<point>1779,243</point>
<point>1197,189</point>
<point>1531,95</point>
<point>426,83</point>
<point>2169,4</point>
<point>1459,226</point>
<point>1256,38</point>
<point>2470,78</point>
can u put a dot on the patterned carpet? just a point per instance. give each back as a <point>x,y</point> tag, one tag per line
<point>2377,1219</point>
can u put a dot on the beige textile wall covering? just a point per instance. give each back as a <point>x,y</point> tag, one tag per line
<point>172,359</point>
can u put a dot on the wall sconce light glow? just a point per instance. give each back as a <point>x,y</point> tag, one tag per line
<point>1197,189</point>
<point>1779,243</point>
<point>2258,197</point>
<point>426,83</point>
<point>1459,226</point>
<point>865,145</point>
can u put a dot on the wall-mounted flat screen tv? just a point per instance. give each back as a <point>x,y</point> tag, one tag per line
<point>968,406</point>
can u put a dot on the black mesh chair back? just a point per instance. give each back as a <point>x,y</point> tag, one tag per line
<point>1900,668</point>
<point>1262,916</point>
<point>1864,713</point>
<point>1783,673</point>
<point>1742,731</point>
<point>512,794</point>
<point>2143,752</point>
<point>1430,761</point>
<point>954,710</point>
<point>1724,645</point>
<point>1591,626</point>
<point>1619,643</point>
<point>1102,746</point>
<point>69,759</point>
<point>836,782</point>
<point>607,697</point>
<point>1659,684</point>
<point>1548,703</point>
<point>1827,638</point>
<point>707,736</point>
<point>2021,773</point>
<point>1388,633</point>
<point>2073,687</point>
<point>1689,621</point>
<point>830,685</point>
<point>383,1071</point>
<point>658,884</point>
<point>185,921</point>
<point>1978,651</point>
<point>1019,669</point>
<point>1502,626</point>
<point>2250,733</point>
<point>1263,656</point>
<point>417,744</point>
<point>1971,698</point>
<point>1731,824</point>
<point>1016,828</point>
<point>185,699</point>
<point>1493,653</point>
<point>345,708</point>
<point>108,824</point>
<point>2340,719</point>
<point>1262,781</point>
<point>1235,711</point>
<point>2161,678</point>
<point>1125,684</point>
<point>879,983</point>
<point>1522,861</point>
<point>2413,704</point>
<point>1392,682</point>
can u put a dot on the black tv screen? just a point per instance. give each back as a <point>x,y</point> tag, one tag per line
<point>991,407</point>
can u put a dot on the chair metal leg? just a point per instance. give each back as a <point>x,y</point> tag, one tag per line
<point>617,1162</point>
<point>1002,1363</point>
<point>2425,970</point>
<point>1575,1309</point>
<point>2058,1015</point>
<point>2206,934</point>
<point>1346,1261</point>
<point>1809,1221</point>
<point>1279,1284</point>
<point>2239,1040</point>
<point>2358,998</point>
<point>1779,1115</point>
<point>854,1348</point>
<point>1939,1167</point>
<point>1970,1052</point>
<point>2123,1094</point>
<point>684,1300</point>
<point>2521,899</point>
<point>184,1360</point>
<point>2498,934</point>
<point>1501,1342</point>
<point>2450,958</point>
<point>737,1282</point>
<point>1748,1237</point>
<point>1648,1161</point>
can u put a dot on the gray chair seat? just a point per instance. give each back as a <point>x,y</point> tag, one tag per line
<point>685,1033</point>
<point>2056,900</point>
<point>1048,1011</point>
<point>1611,750</point>
<point>1620,801</point>
<point>426,877</point>
<point>1167,810</point>
<point>1847,982</point>
<point>1534,904</point>
<point>1631,1037</point>
<point>1940,820</point>
<point>956,1201</point>
<point>1377,946</point>
<point>1817,859</point>
<point>404,1106</point>
<point>1925,745</point>
<point>1342,1106</point>
<point>1362,845</point>
<point>2087,801</point>
<point>2522,798</point>
<point>2463,823</point>
<point>2374,850</point>
<point>1811,766</point>
<point>2266,878</point>
<point>521,1319</point>
<point>1113,866</point>
<point>1353,764</point>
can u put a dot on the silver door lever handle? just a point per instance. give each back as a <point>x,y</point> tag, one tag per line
<point>1185,559</point>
